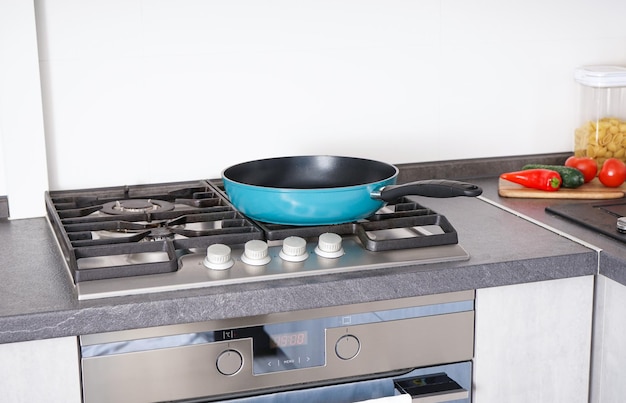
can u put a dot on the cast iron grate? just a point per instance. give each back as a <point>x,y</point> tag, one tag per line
<point>403,214</point>
<point>100,238</point>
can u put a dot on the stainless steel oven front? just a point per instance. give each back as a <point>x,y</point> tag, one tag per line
<point>417,348</point>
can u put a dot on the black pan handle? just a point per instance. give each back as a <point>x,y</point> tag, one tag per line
<point>430,188</point>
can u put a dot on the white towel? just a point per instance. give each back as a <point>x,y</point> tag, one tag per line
<point>404,398</point>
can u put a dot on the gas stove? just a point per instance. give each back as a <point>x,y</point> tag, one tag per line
<point>142,239</point>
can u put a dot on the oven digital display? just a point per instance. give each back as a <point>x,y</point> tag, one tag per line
<point>287,346</point>
<point>291,339</point>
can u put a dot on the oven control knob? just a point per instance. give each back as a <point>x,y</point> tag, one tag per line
<point>229,362</point>
<point>294,249</point>
<point>218,257</point>
<point>621,225</point>
<point>255,253</point>
<point>329,246</point>
<point>347,347</point>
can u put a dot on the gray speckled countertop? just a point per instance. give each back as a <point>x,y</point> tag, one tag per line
<point>612,255</point>
<point>37,299</point>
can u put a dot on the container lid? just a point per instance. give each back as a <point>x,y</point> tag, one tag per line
<point>601,76</point>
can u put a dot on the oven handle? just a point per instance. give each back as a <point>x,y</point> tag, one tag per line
<point>431,388</point>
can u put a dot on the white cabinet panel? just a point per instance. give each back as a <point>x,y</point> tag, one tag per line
<point>533,342</point>
<point>609,351</point>
<point>40,371</point>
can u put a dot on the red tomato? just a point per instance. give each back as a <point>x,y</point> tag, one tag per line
<point>586,165</point>
<point>613,173</point>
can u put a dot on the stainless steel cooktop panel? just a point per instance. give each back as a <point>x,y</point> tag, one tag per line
<point>193,274</point>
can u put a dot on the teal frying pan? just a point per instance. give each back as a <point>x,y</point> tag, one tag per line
<point>323,190</point>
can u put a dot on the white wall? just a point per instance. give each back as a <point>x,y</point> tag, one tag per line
<point>23,164</point>
<point>166,90</point>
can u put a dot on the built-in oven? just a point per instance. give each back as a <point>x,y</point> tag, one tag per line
<point>409,349</point>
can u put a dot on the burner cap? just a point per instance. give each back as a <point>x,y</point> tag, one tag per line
<point>134,206</point>
<point>159,234</point>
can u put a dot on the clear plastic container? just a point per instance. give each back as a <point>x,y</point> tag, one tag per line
<point>601,127</point>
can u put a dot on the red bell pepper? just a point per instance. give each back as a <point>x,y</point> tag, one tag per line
<point>542,179</point>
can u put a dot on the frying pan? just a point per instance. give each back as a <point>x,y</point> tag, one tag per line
<point>323,190</point>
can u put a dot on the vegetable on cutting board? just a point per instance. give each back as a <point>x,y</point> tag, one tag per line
<point>571,177</point>
<point>541,179</point>
<point>587,165</point>
<point>613,173</point>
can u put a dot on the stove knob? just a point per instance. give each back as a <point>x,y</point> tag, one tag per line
<point>229,362</point>
<point>255,253</point>
<point>294,249</point>
<point>329,246</point>
<point>621,225</point>
<point>218,257</point>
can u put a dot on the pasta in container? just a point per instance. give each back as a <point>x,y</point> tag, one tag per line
<point>601,130</point>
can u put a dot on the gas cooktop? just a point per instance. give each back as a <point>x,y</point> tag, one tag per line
<point>151,238</point>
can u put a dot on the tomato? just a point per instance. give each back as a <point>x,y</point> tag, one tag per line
<point>613,173</point>
<point>587,165</point>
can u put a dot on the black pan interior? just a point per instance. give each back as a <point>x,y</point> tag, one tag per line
<point>310,172</point>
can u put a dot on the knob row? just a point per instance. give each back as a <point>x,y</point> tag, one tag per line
<point>256,252</point>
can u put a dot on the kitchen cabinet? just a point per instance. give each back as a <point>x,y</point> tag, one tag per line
<point>533,342</point>
<point>609,350</point>
<point>40,371</point>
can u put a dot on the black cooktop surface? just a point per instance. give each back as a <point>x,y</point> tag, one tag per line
<point>600,216</point>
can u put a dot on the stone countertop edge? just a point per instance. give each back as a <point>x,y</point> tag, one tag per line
<point>44,306</point>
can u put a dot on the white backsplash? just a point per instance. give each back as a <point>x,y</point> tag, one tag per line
<point>141,91</point>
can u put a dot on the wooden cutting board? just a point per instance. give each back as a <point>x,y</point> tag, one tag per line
<point>593,190</point>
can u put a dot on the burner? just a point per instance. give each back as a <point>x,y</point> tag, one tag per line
<point>158,234</point>
<point>134,206</point>
<point>132,232</point>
